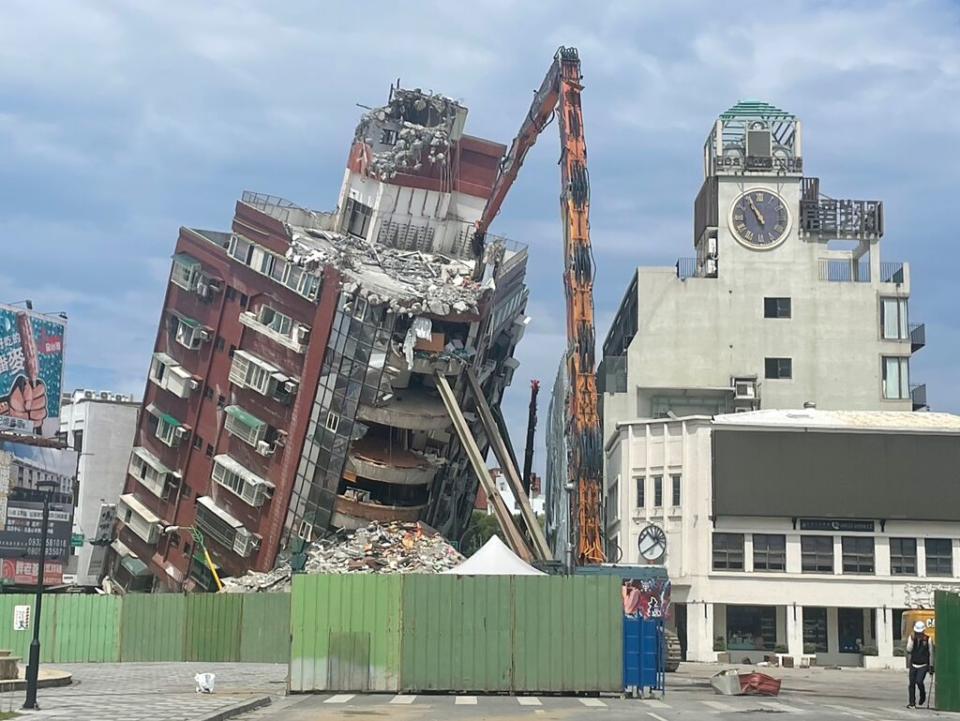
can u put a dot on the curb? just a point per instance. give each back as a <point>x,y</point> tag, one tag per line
<point>238,709</point>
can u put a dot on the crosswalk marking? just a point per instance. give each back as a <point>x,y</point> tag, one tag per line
<point>781,707</point>
<point>655,703</point>
<point>528,701</point>
<point>340,698</point>
<point>851,711</point>
<point>466,701</point>
<point>592,702</point>
<point>400,698</point>
<point>718,705</point>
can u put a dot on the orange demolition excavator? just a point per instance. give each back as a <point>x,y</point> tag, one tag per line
<point>559,96</point>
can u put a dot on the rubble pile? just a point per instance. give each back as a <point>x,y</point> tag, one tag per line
<point>409,280</point>
<point>378,548</point>
<point>420,125</point>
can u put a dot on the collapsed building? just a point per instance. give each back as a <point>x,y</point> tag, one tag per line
<point>292,387</point>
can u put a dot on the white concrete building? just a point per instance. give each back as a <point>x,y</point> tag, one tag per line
<point>803,531</point>
<point>787,301</point>
<point>100,427</point>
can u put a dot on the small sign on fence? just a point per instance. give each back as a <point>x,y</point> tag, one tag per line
<point>21,618</point>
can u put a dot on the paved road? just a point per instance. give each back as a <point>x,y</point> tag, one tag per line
<point>673,707</point>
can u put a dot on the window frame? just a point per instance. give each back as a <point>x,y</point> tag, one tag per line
<point>675,489</point>
<point>902,319</point>
<point>658,491</point>
<point>641,485</point>
<point>903,391</point>
<point>779,361</point>
<point>774,307</point>
<point>817,555</point>
<point>768,554</point>
<point>729,555</point>
<point>899,559</point>
<point>939,557</point>
<point>852,560</point>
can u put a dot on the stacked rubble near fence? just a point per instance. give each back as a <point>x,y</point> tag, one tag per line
<point>377,548</point>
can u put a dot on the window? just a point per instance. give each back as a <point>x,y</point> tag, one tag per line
<point>275,320</point>
<point>188,332</point>
<point>675,486</point>
<point>208,393</point>
<point>243,300</point>
<point>816,554</point>
<point>248,371</point>
<point>167,432</point>
<point>657,491</point>
<point>769,552</point>
<point>78,441</point>
<point>358,218</point>
<point>250,487</point>
<point>220,343</point>
<point>778,368</point>
<point>939,554</point>
<point>903,556</point>
<point>333,421</point>
<point>893,319</point>
<point>209,450</point>
<point>613,503</point>
<point>303,282</point>
<point>241,249</point>
<point>245,426</point>
<point>814,629</point>
<point>197,441</point>
<point>727,551</point>
<point>776,308</point>
<point>641,488</point>
<point>896,378</point>
<point>857,554</point>
<point>230,293</point>
<point>186,271</point>
<point>388,136</point>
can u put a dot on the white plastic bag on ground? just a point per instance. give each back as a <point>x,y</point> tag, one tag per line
<point>205,682</point>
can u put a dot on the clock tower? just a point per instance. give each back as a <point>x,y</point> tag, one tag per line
<point>753,169</point>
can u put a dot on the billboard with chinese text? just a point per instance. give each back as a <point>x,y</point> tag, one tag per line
<point>31,370</point>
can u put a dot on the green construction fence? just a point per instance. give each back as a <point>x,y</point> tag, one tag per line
<point>153,627</point>
<point>947,651</point>
<point>485,634</point>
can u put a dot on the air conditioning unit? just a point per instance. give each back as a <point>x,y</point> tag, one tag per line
<point>710,268</point>
<point>205,334</point>
<point>193,384</point>
<point>104,396</point>
<point>290,386</point>
<point>265,449</point>
<point>712,247</point>
<point>245,543</point>
<point>181,432</point>
<point>303,334</point>
<point>203,290</point>
<point>745,390</point>
<point>88,394</point>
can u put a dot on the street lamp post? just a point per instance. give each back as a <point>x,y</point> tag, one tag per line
<point>33,664</point>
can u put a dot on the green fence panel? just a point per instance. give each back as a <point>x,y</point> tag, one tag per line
<point>456,633</point>
<point>947,651</point>
<point>265,628</point>
<point>153,627</point>
<point>87,629</point>
<point>567,635</point>
<point>213,627</point>
<point>345,633</point>
<point>18,642</point>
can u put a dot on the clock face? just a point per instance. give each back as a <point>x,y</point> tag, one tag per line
<point>652,543</point>
<point>760,219</point>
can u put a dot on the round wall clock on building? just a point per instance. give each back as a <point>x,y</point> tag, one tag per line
<point>652,542</point>
<point>759,219</point>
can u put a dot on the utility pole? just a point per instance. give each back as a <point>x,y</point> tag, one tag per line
<point>33,664</point>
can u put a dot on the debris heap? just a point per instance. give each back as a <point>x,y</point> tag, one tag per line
<point>378,548</point>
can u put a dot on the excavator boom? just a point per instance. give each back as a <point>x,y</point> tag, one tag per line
<point>559,95</point>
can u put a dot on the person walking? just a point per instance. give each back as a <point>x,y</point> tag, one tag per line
<point>920,660</point>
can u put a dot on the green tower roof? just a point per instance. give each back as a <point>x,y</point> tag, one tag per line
<point>756,109</point>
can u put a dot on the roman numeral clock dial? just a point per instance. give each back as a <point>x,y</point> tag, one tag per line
<point>759,219</point>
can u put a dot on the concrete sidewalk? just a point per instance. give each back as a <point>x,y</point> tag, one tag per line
<point>153,691</point>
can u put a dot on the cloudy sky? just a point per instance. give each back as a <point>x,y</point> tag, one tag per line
<point>121,121</point>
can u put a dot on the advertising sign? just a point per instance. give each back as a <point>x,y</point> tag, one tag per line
<point>646,598</point>
<point>31,370</point>
<point>24,573</point>
<point>21,618</point>
<point>28,467</point>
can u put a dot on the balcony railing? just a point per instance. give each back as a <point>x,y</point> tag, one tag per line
<point>918,336</point>
<point>891,272</point>
<point>841,270</point>
<point>918,394</point>
<point>690,268</point>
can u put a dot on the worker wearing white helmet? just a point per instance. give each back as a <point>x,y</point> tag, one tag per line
<point>920,660</point>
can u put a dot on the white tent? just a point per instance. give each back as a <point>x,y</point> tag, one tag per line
<point>494,559</point>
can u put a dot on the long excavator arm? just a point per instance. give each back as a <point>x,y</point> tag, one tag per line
<point>559,95</point>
